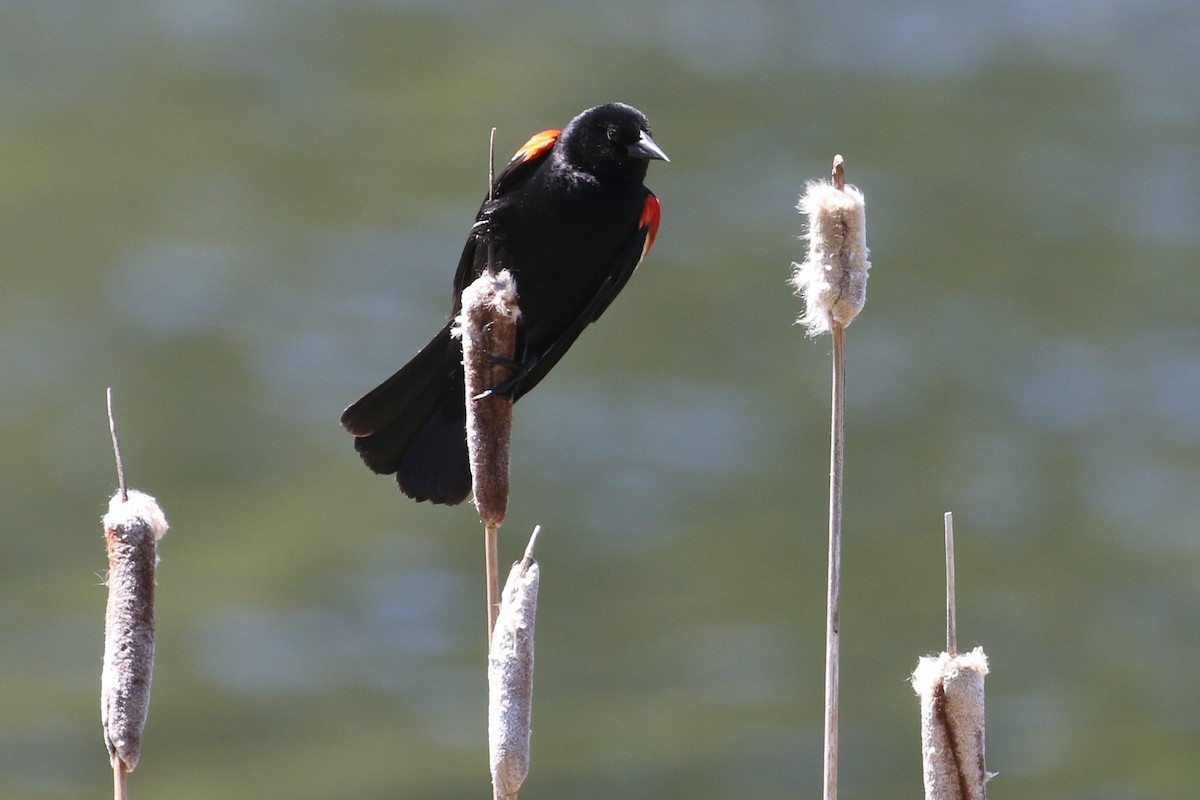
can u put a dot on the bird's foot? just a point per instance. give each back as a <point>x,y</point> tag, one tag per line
<point>506,387</point>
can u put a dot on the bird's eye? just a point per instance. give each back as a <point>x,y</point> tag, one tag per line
<point>613,133</point>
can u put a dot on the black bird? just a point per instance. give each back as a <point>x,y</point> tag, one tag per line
<point>570,217</point>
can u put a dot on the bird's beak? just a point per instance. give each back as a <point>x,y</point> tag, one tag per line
<point>645,147</point>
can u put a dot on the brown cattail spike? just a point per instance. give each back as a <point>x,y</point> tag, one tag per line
<point>132,528</point>
<point>488,326</point>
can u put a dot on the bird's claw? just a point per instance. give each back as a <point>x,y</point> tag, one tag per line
<point>508,386</point>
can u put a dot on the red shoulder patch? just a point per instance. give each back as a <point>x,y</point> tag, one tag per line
<point>651,213</point>
<point>537,144</point>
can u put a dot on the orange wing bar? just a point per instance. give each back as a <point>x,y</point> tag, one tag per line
<point>537,144</point>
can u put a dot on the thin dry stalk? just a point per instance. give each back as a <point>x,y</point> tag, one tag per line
<point>120,789</point>
<point>116,443</point>
<point>951,603</point>
<point>837,451</point>
<point>491,556</point>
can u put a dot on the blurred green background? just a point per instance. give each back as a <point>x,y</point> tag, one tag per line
<point>241,214</point>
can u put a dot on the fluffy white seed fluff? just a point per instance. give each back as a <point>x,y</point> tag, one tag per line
<point>833,278</point>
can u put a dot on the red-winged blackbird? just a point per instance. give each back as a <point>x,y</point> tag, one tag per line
<point>570,218</point>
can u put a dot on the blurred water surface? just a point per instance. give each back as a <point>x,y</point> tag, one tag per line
<point>241,215</point>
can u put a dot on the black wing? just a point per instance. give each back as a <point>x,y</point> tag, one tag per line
<point>520,167</point>
<point>635,248</point>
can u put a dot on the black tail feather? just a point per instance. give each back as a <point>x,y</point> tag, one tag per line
<point>414,425</point>
<point>435,466</point>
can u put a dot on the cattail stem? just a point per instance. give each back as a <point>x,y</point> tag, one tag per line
<point>833,603</point>
<point>491,544</point>
<point>951,603</point>
<point>116,443</point>
<point>120,790</point>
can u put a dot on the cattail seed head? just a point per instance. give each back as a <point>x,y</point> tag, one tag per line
<point>132,528</point>
<point>510,678</point>
<point>833,278</point>
<point>952,725</point>
<point>488,327</point>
